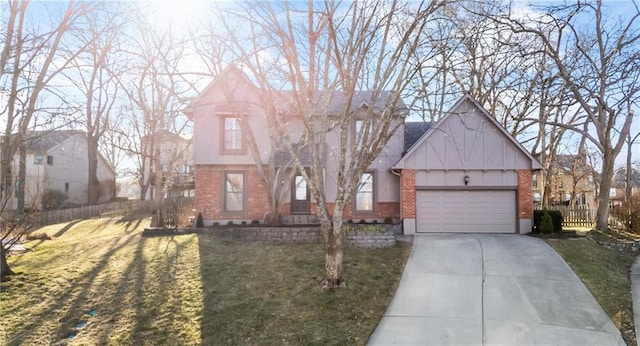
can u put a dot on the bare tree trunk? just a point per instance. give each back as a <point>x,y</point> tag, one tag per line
<point>94,185</point>
<point>22,178</point>
<point>628,186</point>
<point>5,177</point>
<point>332,232</point>
<point>602,214</point>
<point>4,266</point>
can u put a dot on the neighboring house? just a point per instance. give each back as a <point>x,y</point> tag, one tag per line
<point>174,163</point>
<point>617,196</point>
<point>57,160</point>
<point>462,174</point>
<point>617,193</point>
<point>572,183</point>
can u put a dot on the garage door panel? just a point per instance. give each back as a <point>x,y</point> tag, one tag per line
<point>466,211</point>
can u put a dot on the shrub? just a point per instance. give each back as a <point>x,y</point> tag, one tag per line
<point>229,223</point>
<point>216,223</point>
<point>255,222</point>
<point>556,220</point>
<point>199,221</point>
<point>244,223</point>
<point>546,225</point>
<point>52,199</point>
<point>375,221</point>
<point>349,221</point>
<point>363,221</point>
<point>388,220</point>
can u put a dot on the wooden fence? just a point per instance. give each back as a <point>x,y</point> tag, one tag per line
<point>621,219</point>
<point>586,217</point>
<point>575,216</point>
<point>50,217</point>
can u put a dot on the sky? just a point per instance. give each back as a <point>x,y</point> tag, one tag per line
<point>180,14</point>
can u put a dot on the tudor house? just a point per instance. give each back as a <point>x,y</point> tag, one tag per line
<point>464,173</point>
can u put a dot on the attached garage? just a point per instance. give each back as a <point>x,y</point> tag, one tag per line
<point>465,174</point>
<point>472,211</point>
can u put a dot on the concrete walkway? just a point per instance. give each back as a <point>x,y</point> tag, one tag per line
<point>635,295</point>
<point>491,290</point>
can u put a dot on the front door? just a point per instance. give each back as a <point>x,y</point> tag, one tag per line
<point>300,196</point>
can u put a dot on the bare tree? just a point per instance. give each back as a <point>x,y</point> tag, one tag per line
<point>325,54</point>
<point>600,65</point>
<point>93,75</point>
<point>32,56</point>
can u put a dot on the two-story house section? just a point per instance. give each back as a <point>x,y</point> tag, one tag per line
<point>169,162</point>
<point>464,173</point>
<point>57,160</point>
<point>570,184</point>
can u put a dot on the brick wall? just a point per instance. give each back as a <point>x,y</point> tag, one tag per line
<point>408,193</point>
<point>525,195</point>
<point>209,186</point>
<point>382,211</point>
<point>209,180</point>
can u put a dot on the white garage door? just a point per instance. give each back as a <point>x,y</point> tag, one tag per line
<point>466,211</point>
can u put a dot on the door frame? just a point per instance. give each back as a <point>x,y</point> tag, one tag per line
<point>300,206</point>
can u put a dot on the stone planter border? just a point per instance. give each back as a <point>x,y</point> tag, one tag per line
<point>385,237</point>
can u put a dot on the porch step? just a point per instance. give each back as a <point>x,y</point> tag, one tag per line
<point>306,219</point>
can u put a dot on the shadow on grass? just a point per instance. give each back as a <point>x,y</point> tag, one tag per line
<point>268,294</point>
<point>66,227</point>
<point>72,300</point>
<point>131,222</point>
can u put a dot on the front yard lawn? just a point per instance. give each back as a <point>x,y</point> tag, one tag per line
<point>606,273</point>
<point>99,282</point>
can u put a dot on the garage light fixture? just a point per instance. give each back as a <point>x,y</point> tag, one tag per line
<point>466,179</point>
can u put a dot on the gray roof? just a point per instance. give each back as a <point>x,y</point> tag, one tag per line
<point>282,156</point>
<point>333,103</point>
<point>42,141</point>
<point>329,102</point>
<point>413,131</point>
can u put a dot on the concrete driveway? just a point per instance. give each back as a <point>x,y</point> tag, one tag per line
<point>469,289</point>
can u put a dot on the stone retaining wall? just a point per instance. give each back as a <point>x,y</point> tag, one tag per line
<point>626,246</point>
<point>356,238</point>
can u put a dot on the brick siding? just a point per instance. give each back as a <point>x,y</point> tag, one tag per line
<point>408,193</point>
<point>525,195</point>
<point>209,186</point>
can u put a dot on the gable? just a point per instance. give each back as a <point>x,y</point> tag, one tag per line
<point>467,138</point>
<point>231,84</point>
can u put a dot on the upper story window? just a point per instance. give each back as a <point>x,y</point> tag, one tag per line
<point>358,137</point>
<point>232,139</point>
<point>534,181</point>
<point>365,192</point>
<point>50,160</point>
<point>38,159</point>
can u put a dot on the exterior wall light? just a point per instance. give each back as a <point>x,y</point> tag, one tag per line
<point>466,179</point>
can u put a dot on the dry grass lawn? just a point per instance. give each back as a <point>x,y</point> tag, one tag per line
<point>606,273</point>
<point>99,282</point>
